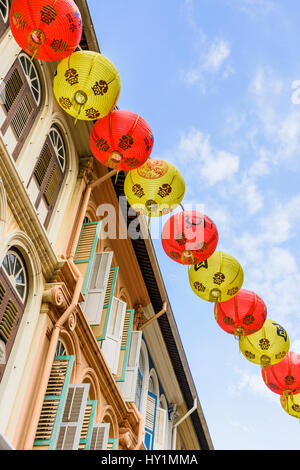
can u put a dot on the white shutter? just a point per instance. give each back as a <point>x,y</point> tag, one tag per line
<point>100,436</point>
<point>72,418</point>
<point>111,345</point>
<point>96,288</point>
<point>160,429</point>
<point>128,387</point>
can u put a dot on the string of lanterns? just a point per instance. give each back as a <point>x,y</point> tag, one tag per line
<point>87,86</point>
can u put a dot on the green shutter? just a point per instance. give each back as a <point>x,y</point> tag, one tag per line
<point>100,332</point>
<point>125,344</point>
<point>87,428</point>
<point>86,249</point>
<point>54,401</point>
<point>112,444</point>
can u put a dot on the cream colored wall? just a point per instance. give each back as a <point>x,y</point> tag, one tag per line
<point>14,377</point>
<point>18,369</point>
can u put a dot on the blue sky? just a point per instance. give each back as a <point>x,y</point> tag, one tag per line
<point>214,79</point>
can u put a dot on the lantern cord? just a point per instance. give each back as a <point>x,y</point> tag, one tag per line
<point>181,207</point>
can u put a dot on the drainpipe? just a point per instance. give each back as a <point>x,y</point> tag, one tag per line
<point>174,435</point>
<point>60,322</point>
<point>155,317</point>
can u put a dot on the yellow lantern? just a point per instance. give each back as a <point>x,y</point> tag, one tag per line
<point>267,346</point>
<point>87,85</point>
<point>291,404</point>
<point>155,188</point>
<point>218,278</point>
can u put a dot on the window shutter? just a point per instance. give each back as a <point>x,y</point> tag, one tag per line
<point>54,401</point>
<point>150,420</point>
<point>101,329</point>
<point>110,347</point>
<point>86,249</point>
<point>19,105</point>
<point>87,427</point>
<point>11,311</point>
<point>125,344</point>
<point>160,429</point>
<point>73,416</point>
<point>96,287</point>
<point>129,386</point>
<point>112,444</point>
<point>100,435</point>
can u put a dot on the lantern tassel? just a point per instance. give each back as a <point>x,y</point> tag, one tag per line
<point>34,55</point>
<point>116,178</point>
<point>265,372</point>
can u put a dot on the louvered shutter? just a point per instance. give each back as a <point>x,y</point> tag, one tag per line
<point>129,386</point>
<point>150,420</point>
<point>125,344</point>
<point>11,311</point>
<point>96,287</point>
<point>54,401</point>
<point>110,347</point>
<point>20,107</point>
<point>101,329</point>
<point>86,249</point>
<point>160,429</point>
<point>73,416</point>
<point>100,436</point>
<point>87,427</point>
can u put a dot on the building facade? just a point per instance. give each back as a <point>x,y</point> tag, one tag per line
<point>90,355</point>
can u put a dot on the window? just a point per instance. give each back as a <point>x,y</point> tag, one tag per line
<point>45,182</point>
<point>60,349</point>
<point>15,270</point>
<point>20,97</point>
<point>4,15</point>
<point>13,294</point>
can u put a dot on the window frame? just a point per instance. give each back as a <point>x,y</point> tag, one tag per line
<point>11,296</point>
<point>4,21</point>
<point>25,97</point>
<point>53,162</point>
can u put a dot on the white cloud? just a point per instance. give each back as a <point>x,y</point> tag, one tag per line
<point>253,8</point>
<point>210,59</point>
<point>218,52</point>
<point>213,165</point>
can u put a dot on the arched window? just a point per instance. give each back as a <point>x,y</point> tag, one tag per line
<point>4,15</point>
<point>48,175</point>
<point>61,349</point>
<point>20,98</point>
<point>13,295</point>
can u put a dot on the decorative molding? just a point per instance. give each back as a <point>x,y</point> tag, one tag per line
<point>127,439</point>
<point>54,294</point>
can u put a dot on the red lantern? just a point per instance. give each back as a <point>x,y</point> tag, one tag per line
<point>243,314</point>
<point>121,140</point>
<point>48,30</point>
<point>189,237</point>
<point>283,378</point>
